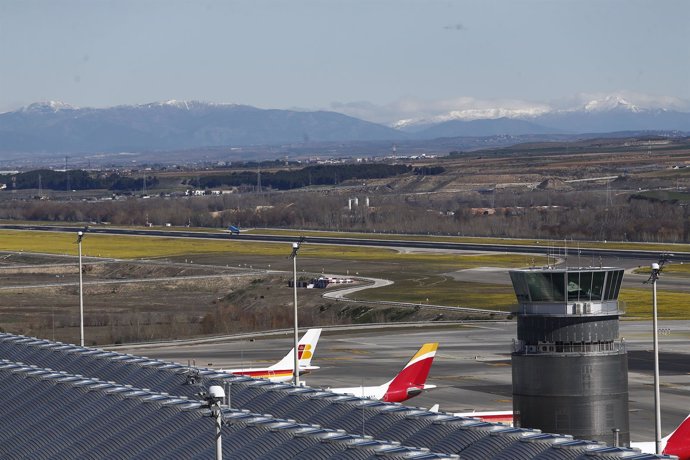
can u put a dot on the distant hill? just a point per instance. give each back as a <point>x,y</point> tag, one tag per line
<point>616,120</point>
<point>59,128</point>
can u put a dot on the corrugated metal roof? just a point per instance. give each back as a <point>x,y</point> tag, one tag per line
<point>49,416</point>
<point>104,403</point>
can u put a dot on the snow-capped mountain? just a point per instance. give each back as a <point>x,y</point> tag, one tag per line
<point>56,127</point>
<point>609,103</point>
<point>47,107</point>
<point>471,114</point>
<point>606,114</point>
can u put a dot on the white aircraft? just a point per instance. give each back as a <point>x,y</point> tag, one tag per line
<point>677,443</point>
<point>499,416</point>
<point>282,371</point>
<point>409,382</point>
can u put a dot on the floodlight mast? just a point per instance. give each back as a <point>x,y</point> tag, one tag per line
<point>293,256</point>
<point>214,398</point>
<point>653,277</point>
<point>80,236</point>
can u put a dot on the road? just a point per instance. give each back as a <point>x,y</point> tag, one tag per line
<point>472,368</point>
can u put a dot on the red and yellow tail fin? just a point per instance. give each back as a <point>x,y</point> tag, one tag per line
<point>412,379</point>
<point>307,347</point>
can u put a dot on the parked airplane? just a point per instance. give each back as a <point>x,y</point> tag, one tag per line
<point>410,382</point>
<point>677,443</point>
<point>282,371</point>
<point>499,416</point>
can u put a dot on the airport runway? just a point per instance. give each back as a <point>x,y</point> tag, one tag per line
<point>407,242</point>
<point>472,368</point>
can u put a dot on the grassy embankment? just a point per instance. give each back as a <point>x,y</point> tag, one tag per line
<point>671,304</point>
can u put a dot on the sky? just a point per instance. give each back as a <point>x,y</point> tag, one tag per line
<point>380,60</point>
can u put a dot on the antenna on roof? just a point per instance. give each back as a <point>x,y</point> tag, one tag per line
<point>192,376</point>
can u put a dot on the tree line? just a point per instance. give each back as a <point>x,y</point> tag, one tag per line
<point>279,180</point>
<point>586,215</point>
<point>76,179</point>
<point>304,177</point>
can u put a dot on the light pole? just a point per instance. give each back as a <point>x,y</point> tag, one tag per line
<point>214,398</point>
<point>653,277</point>
<point>80,236</point>
<point>293,256</point>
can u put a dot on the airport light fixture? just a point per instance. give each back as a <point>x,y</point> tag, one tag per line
<point>293,256</point>
<point>80,236</point>
<point>653,277</point>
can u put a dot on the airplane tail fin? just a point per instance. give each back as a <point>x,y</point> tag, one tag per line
<point>412,379</point>
<point>306,348</point>
<point>678,442</point>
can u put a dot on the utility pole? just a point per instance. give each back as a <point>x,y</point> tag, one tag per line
<point>653,277</point>
<point>80,236</point>
<point>293,256</point>
<point>214,398</point>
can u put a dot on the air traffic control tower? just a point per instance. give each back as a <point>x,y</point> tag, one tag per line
<point>570,369</point>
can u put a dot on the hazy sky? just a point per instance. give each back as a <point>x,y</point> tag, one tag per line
<point>379,59</point>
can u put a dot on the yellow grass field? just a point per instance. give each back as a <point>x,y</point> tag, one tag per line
<point>136,246</point>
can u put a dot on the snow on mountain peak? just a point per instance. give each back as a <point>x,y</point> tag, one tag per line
<point>176,103</point>
<point>47,106</point>
<point>491,110</point>
<point>612,102</point>
<point>186,105</point>
<point>470,114</point>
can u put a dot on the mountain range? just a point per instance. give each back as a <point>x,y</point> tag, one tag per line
<point>57,128</point>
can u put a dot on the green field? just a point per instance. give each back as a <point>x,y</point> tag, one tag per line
<point>670,304</point>
<point>135,247</point>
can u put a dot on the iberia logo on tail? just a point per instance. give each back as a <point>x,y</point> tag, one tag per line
<point>283,370</point>
<point>304,351</point>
